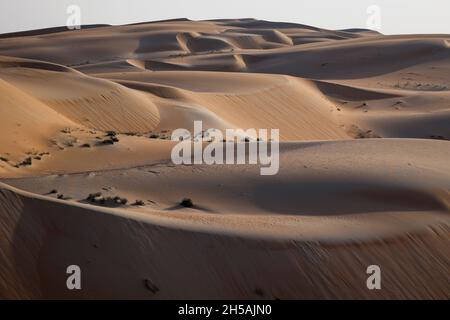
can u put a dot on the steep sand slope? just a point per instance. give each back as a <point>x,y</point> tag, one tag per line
<point>26,123</point>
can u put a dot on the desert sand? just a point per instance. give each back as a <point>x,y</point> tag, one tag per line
<point>364,162</point>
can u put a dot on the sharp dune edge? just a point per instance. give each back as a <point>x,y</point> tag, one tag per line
<point>364,162</point>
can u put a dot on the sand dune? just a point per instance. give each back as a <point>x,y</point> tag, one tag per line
<point>247,101</point>
<point>96,103</point>
<point>354,180</point>
<point>122,251</point>
<point>364,162</point>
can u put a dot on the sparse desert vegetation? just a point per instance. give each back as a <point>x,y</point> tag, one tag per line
<point>139,203</point>
<point>111,139</point>
<point>25,162</point>
<point>438,137</point>
<point>187,203</point>
<point>108,201</point>
<point>359,133</point>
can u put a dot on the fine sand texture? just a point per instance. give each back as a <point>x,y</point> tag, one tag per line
<point>86,176</point>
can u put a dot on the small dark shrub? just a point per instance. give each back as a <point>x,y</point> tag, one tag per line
<point>106,201</point>
<point>259,292</point>
<point>107,141</point>
<point>91,197</point>
<point>149,285</point>
<point>438,137</point>
<point>139,203</point>
<point>187,203</point>
<point>26,162</point>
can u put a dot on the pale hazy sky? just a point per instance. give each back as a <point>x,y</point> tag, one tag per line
<point>397,16</point>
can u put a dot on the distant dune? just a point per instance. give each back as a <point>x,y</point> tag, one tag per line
<point>364,162</point>
<point>38,32</point>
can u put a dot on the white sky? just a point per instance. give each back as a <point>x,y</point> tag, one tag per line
<point>397,16</point>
